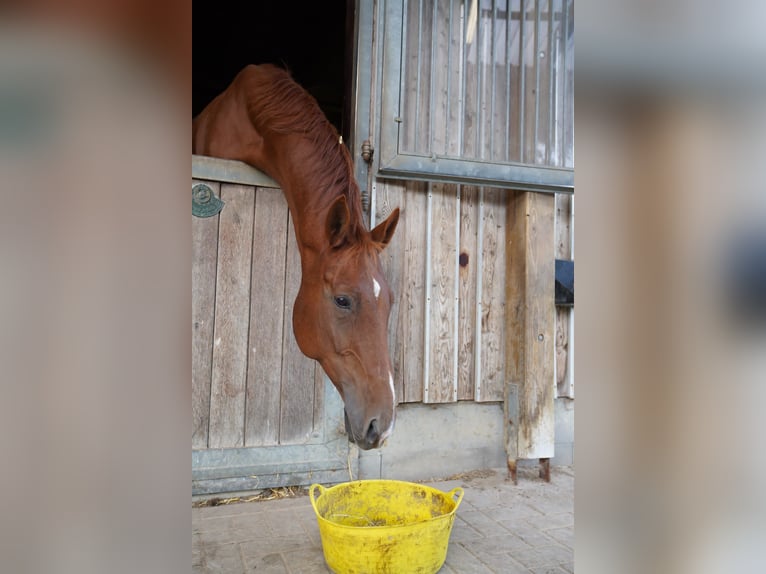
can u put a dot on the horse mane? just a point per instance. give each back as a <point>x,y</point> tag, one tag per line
<point>276,104</point>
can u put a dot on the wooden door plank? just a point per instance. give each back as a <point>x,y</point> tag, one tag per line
<point>411,68</point>
<point>410,347</point>
<point>564,383</point>
<point>530,319</point>
<point>232,304</point>
<point>204,260</point>
<point>297,390</point>
<point>453,75</point>
<point>441,384</point>
<point>468,261</point>
<point>493,295</point>
<point>267,306</point>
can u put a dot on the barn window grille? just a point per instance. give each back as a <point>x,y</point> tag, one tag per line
<point>479,91</point>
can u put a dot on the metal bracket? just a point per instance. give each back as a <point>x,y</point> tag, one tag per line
<point>204,201</point>
<point>367,151</point>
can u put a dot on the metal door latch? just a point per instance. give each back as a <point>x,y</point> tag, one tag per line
<point>367,151</point>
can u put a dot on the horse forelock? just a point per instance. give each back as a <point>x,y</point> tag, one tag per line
<point>278,105</point>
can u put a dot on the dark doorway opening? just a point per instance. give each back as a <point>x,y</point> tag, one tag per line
<point>311,39</point>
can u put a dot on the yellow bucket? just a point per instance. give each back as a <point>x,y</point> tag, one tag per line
<point>384,526</point>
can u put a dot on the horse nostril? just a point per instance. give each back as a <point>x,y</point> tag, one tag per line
<point>373,435</point>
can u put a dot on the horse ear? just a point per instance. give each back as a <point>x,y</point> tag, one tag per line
<point>384,231</point>
<point>337,222</point>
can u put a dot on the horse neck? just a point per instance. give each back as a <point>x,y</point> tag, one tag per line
<point>308,201</point>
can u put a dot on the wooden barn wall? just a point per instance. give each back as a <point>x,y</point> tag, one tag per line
<point>446,265</point>
<point>251,386</point>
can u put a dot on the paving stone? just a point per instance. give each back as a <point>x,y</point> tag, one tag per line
<point>462,532</point>
<point>531,536</point>
<point>502,564</point>
<point>210,524</point>
<point>548,521</point>
<point>261,546</point>
<point>253,525</point>
<point>501,544</point>
<point>283,523</point>
<point>267,564</point>
<point>512,511</point>
<point>551,505</point>
<point>228,536</point>
<point>461,561</point>
<point>563,535</point>
<point>483,498</point>
<point>306,561</point>
<point>221,558</point>
<point>544,556</point>
<point>310,527</point>
<point>480,522</point>
<point>234,509</point>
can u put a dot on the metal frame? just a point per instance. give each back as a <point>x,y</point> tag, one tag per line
<point>392,162</point>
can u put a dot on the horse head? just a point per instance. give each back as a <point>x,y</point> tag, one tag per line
<point>340,318</point>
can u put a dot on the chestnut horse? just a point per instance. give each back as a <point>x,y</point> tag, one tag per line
<point>340,316</point>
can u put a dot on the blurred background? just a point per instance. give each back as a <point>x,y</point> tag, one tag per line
<point>671,248</point>
<point>670,141</point>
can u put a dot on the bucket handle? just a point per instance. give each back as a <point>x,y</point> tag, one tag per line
<point>312,495</point>
<point>459,492</point>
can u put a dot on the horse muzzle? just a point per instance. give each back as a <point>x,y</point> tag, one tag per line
<point>373,436</point>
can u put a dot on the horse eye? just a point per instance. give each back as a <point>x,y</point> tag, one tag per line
<point>343,302</point>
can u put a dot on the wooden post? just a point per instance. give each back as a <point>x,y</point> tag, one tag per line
<point>530,327</point>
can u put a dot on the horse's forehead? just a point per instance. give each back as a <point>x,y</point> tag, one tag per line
<point>359,265</point>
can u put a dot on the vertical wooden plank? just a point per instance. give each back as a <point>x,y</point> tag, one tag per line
<point>440,75</point>
<point>442,346</point>
<point>468,270</point>
<point>454,81</point>
<point>545,63</point>
<point>412,307</point>
<point>514,87</point>
<point>389,195</point>
<point>471,68</point>
<point>563,226</point>
<point>530,84</point>
<point>297,392</point>
<point>267,307</point>
<point>411,64</point>
<point>204,260</point>
<point>493,296</point>
<point>568,88</point>
<point>562,351</point>
<point>500,120</point>
<point>564,387</point>
<point>530,319</point>
<point>232,310</point>
<point>427,79</point>
<point>484,32</point>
